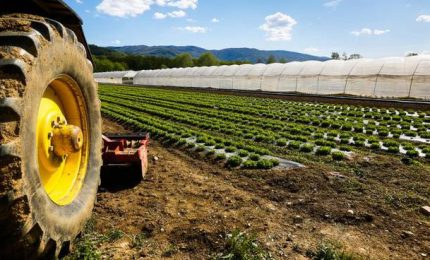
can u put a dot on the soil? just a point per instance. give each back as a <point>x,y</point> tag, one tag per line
<point>186,206</point>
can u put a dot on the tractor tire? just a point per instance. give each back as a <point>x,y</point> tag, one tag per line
<point>38,54</point>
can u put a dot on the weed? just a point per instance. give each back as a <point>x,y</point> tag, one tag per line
<point>332,251</point>
<point>239,245</point>
<point>114,234</point>
<point>171,250</point>
<point>85,249</point>
<point>137,240</point>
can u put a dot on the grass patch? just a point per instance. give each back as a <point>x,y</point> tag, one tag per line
<point>114,235</point>
<point>86,243</point>
<point>240,245</point>
<point>332,251</point>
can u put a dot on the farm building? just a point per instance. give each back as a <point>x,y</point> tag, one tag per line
<point>397,77</point>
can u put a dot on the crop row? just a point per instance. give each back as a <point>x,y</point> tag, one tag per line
<point>224,122</point>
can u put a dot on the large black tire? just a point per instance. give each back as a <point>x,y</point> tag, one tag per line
<point>33,52</point>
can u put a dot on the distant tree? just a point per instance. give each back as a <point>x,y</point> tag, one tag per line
<point>104,64</point>
<point>355,56</point>
<point>335,56</point>
<point>344,56</point>
<point>208,59</point>
<point>410,54</point>
<point>282,60</point>
<point>271,59</point>
<point>183,60</point>
<point>259,60</point>
<point>164,66</point>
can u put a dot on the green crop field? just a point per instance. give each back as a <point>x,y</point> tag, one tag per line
<point>254,132</point>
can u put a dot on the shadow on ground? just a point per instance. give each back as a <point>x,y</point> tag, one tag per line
<point>119,177</point>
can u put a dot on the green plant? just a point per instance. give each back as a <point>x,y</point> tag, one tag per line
<point>191,145</point>
<point>412,153</point>
<point>210,153</point>
<point>345,148</point>
<point>220,157</point>
<point>264,164</point>
<point>240,245</point>
<point>323,150</point>
<point>307,148</point>
<point>200,148</point>
<point>114,234</point>
<point>230,149</point>
<point>281,142</point>
<point>85,249</point>
<point>275,162</point>
<point>375,146</point>
<point>294,145</point>
<point>219,146</point>
<point>338,156</point>
<point>243,153</point>
<point>332,251</point>
<point>138,240</point>
<point>234,161</point>
<point>249,164</point>
<point>393,149</point>
<point>254,157</point>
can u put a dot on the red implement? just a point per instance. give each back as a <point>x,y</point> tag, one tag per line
<point>126,149</point>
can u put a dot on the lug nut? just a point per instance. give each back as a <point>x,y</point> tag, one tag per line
<point>51,149</point>
<point>49,135</point>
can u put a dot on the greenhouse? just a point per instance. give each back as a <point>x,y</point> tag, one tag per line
<point>396,77</point>
<point>114,77</point>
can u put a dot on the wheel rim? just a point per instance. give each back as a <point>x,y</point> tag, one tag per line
<point>62,140</point>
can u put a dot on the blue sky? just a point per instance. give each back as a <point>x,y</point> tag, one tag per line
<point>373,28</point>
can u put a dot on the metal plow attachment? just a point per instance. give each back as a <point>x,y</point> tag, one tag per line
<point>126,149</point>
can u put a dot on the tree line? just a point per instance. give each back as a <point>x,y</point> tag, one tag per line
<point>109,60</point>
<point>115,61</point>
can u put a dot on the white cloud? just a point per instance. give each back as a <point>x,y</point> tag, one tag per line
<point>311,50</point>
<point>182,4</point>
<point>425,18</point>
<point>79,1</point>
<point>132,8</point>
<point>87,11</point>
<point>116,42</point>
<point>159,16</point>
<point>124,8</point>
<point>194,29</point>
<point>380,32</point>
<point>174,14</point>
<point>278,27</point>
<point>333,3</point>
<point>364,31</point>
<point>190,20</point>
<point>177,14</point>
<point>215,20</point>
<point>367,31</point>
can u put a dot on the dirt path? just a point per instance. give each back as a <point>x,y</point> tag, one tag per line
<point>184,208</point>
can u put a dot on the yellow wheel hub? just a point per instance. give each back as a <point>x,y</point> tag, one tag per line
<point>62,140</point>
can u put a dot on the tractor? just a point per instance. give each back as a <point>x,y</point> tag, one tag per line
<point>51,143</point>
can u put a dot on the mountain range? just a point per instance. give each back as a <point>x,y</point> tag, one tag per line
<point>230,54</point>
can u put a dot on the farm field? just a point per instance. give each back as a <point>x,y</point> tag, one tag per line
<point>365,205</point>
<point>253,132</point>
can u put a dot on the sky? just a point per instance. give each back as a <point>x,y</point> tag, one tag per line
<point>372,28</point>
